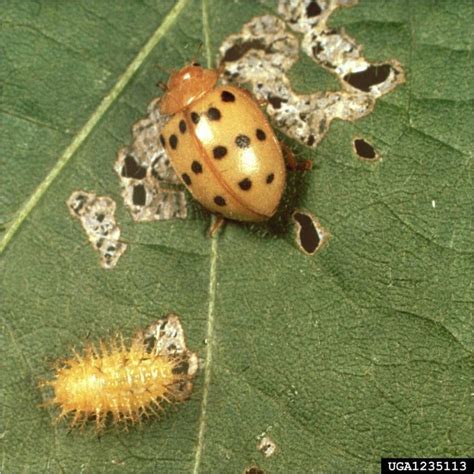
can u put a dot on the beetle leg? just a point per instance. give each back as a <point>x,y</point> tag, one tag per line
<point>217,223</point>
<point>291,162</point>
<point>220,69</point>
<point>162,85</point>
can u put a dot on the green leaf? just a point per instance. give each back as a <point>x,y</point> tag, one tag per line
<point>361,351</point>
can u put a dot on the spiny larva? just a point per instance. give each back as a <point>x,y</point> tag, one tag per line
<point>222,146</point>
<point>125,383</point>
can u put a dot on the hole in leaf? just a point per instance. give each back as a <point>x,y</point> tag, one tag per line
<point>139,195</point>
<point>364,149</point>
<point>276,101</point>
<point>363,80</point>
<point>132,170</point>
<point>313,9</point>
<point>239,49</point>
<point>150,187</point>
<point>254,470</point>
<point>309,234</point>
<point>97,216</point>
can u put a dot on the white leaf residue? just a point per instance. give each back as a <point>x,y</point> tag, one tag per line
<point>264,51</point>
<point>97,216</point>
<point>150,187</point>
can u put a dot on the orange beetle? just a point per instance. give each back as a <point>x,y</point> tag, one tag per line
<point>221,146</point>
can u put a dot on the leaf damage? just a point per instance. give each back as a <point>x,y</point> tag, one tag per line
<point>97,216</point>
<point>264,51</point>
<point>150,188</point>
<point>364,150</point>
<point>266,446</point>
<point>254,470</point>
<point>310,235</point>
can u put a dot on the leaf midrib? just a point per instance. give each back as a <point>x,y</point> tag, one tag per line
<point>212,291</point>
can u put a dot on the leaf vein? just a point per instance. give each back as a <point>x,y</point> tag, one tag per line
<point>87,129</point>
<point>212,293</point>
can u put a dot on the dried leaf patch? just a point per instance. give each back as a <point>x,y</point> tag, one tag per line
<point>264,51</point>
<point>150,187</point>
<point>97,216</point>
<point>266,446</point>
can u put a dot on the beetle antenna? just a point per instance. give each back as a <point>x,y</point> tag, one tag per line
<point>163,69</point>
<point>197,53</point>
<point>162,85</point>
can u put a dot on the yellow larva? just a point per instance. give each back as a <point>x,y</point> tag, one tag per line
<point>125,383</point>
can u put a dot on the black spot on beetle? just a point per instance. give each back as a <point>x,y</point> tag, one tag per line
<point>363,80</point>
<point>196,167</point>
<point>245,184</point>
<point>213,113</point>
<point>139,195</point>
<point>364,149</point>
<point>261,135</point>
<point>227,96</point>
<point>173,141</point>
<point>186,178</point>
<point>219,200</point>
<point>195,117</point>
<point>313,9</point>
<point>182,126</point>
<point>219,152</point>
<point>242,141</point>
<point>270,178</point>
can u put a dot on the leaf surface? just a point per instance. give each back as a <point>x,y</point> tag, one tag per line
<point>361,351</point>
